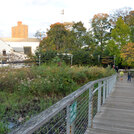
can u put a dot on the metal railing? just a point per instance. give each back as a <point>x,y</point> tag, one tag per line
<point>74,113</point>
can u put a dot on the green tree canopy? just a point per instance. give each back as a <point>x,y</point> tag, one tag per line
<point>101,29</point>
<point>57,36</point>
<point>80,34</point>
<point>121,33</point>
<point>63,39</point>
<point>120,36</point>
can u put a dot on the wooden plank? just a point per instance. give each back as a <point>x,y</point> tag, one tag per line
<point>117,114</point>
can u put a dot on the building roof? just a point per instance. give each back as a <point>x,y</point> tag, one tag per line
<point>4,44</point>
<point>20,39</point>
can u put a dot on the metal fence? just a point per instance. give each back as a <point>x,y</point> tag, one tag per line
<point>74,113</point>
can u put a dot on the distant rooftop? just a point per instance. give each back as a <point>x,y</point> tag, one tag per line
<point>20,39</point>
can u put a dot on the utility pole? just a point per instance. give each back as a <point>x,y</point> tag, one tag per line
<point>39,59</point>
<point>62,14</point>
<point>98,58</point>
<point>114,59</point>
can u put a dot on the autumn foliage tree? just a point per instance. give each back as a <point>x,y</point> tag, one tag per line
<point>127,54</point>
<point>57,36</point>
<point>63,39</point>
<point>107,37</point>
<point>129,19</point>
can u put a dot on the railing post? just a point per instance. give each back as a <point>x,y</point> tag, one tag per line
<point>115,78</point>
<point>107,88</point>
<point>99,97</point>
<point>70,127</point>
<point>104,91</point>
<point>68,120</point>
<point>109,83</point>
<point>114,81</point>
<point>112,85</point>
<point>90,114</point>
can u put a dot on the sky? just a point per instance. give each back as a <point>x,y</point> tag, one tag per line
<point>40,14</point>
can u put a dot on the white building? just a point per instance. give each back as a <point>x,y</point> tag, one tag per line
<point>22,45</point>
<point>5,49</point>
<point>7,53</point>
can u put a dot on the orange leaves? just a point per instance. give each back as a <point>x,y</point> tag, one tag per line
<point>55,24</point>
<point>127,53</point>
<point>100,16</point>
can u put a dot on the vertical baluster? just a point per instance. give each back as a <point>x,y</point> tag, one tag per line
<point>104,91</point>
<point>68,120</point>
<point>70,126</point>
<point>107,89</point>
<point>99,96</point>
<point>90,111</point>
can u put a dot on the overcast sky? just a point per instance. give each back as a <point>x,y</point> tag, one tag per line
<point>39,14</point>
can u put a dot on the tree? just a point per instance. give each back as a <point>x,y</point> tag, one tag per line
<point>82,57</point>
<point>127,54</point>
<point>101,29</point>
<point>40,34</point>
<point>121,33</point>
<point>55,39</point>
<point>113,50</point>
<point>121,12</point>
<point>80,34</point>
<point>120,36</point>
<point>63,39</point>
<point>56,36</point>
<point>46,56</point>
<point>129,19</point>
<point>132,34</point>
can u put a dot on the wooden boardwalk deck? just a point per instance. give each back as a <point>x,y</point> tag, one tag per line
<point>117,114</point>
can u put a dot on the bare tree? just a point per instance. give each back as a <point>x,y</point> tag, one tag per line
<point>121,12</point>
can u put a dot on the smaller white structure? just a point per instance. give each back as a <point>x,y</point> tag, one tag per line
<point>7,53</point>
<point>5,49</point>
<point>22,45</point>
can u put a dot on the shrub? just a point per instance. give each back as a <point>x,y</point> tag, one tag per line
<point>46,56</point>
<point>3,128</point>
<point>47,79</point>
<point>81,57</point>
<point>27,91</point>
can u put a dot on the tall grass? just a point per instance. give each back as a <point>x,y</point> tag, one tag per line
<point>28,91</point>
<point>49,79</point>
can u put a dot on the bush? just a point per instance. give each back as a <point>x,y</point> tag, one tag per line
<point>28,91</point>
<point>3,128</point>
<point>47,56</point>
<point>50,79</point>
<point>81,57</point>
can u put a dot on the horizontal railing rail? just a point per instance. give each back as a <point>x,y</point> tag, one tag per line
<point>74,113</point>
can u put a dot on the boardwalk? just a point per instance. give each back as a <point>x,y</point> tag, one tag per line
<point>117,114</point>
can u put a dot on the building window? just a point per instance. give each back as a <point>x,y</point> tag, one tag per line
<point>4,53</point>
<point>27,50</point>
